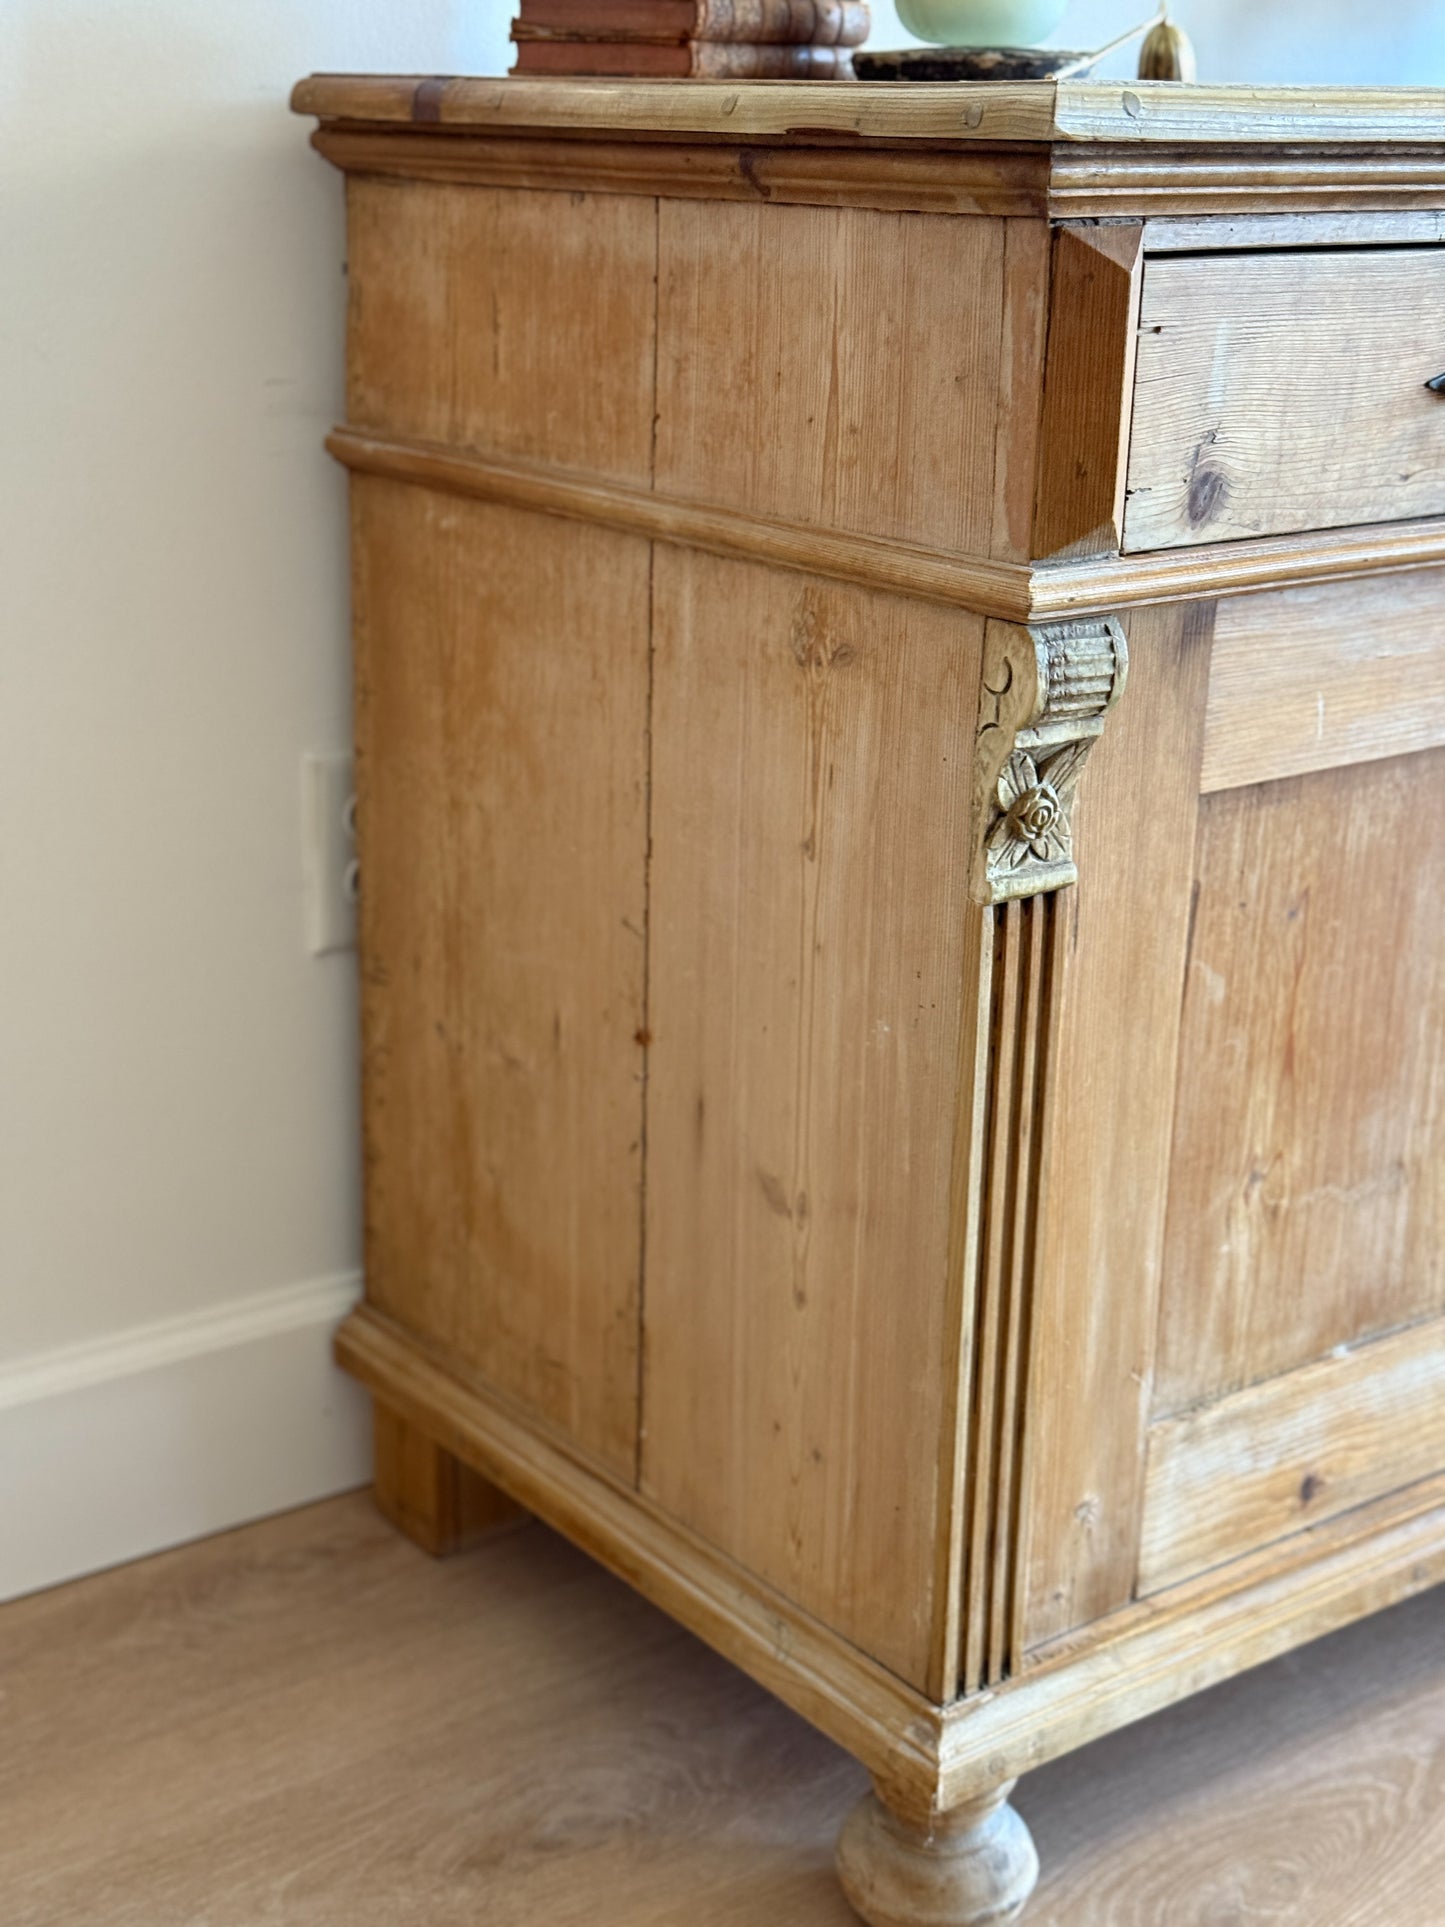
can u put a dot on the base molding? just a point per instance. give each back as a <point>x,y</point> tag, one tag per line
<point>928,1759</point>
<point>120,1448</point>
<point>1164,1648</point>
<point>884,1723</point>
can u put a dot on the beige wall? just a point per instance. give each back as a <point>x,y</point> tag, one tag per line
<point>1283,42</point>
<point>178,1118</point>
<point>178,1167</point>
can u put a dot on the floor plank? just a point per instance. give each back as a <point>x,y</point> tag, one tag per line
<point>307,1723</point>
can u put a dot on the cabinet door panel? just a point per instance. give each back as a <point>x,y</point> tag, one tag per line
<point>1307,1186</point>
<point>1239,1301</point>
<point>1325,676</point>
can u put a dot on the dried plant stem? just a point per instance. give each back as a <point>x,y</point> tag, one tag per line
<point>1083,65</point>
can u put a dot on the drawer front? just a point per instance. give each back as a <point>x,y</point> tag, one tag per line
<point>1276,393</point>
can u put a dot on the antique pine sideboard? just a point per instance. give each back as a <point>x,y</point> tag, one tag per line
<point>900,681</point>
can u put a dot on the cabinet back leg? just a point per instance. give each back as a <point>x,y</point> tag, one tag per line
<point>427,1493</point>
<point>972,1867</point>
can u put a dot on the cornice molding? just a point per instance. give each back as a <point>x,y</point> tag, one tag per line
<point>1078,112</point>
<point>984,181</point>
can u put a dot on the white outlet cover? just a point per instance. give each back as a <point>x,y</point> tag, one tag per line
<point>328,852</point>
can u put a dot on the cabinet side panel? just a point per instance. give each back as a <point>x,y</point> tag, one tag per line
<point>1307,1189</point>
<point>1093,334</point>
<point>852,369</point>
<point>501,742</point>
<point>1107,1133</point>
<point>516,322</point>
<point>811,936</point>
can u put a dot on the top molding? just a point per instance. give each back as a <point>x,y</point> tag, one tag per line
<point>890,114</point>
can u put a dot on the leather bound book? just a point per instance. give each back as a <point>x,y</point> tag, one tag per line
<point>818,23</point>
<point>694,60</point>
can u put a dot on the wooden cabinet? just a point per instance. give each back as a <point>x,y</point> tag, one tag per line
<point>900,643</point>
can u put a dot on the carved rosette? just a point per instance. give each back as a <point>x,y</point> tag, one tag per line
<point>1046,691</point>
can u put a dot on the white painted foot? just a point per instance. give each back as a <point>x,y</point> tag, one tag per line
<point>970,1868</point>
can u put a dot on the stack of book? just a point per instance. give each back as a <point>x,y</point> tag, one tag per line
<point>699,39</point>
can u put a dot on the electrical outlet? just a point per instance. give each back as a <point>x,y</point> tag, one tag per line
<point>328,847</point>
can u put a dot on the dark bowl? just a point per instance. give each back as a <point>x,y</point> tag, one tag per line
<point>965,63</point>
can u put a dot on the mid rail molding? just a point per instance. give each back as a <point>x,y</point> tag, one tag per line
<point>1045,693</point>
<point>1045,592</point>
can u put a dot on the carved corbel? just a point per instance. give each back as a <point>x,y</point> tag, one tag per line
<point>1046,691</point>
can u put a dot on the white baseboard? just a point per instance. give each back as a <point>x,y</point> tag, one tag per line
<point>113,1450</point>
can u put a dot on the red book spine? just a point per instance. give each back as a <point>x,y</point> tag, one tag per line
<point>697,60</point>
<point>817,23</point>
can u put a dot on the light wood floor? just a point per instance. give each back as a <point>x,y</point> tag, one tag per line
<point>309,1722</point>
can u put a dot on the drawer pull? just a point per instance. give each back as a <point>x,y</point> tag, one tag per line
<point>1437,383</point>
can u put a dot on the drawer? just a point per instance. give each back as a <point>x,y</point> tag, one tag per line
<point>1276,393</point>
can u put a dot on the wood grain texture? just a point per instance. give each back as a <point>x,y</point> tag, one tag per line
<point>1305,1793</point>
<point>973,582</point>
<point>1082,1685</point>
<point>974,1866</point>
<point>439,1503</point>
<point>1009,181</point>
<point>816,364</point>
<point>305,1721</point>
<point>1023,970</point>
<point>1155,1651</point>
<point>1018,448</point>
<point>1051,591</point>
<point>1286,391</point>
<point>1098,585</point>
<point>1242,175</point>
<point>810,801</point>
<point>972,1150</point>
<point>1307,1198</point>
<point>729,110</point>
<point>1088,389</point>
<point>1349,227</point>
<point>447,341</point>
<point>1162,113</point>
<point>1351,189</point>
<point>887,1725</point>
<point>501,769</point>
<point>1235,1474</point>
<point>1137,113</point>
<point>1107,1132</point>
<point>689,1055</point>
<point>1309,679</point>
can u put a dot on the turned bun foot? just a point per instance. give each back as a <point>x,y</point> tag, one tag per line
<point>969,1867</point>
